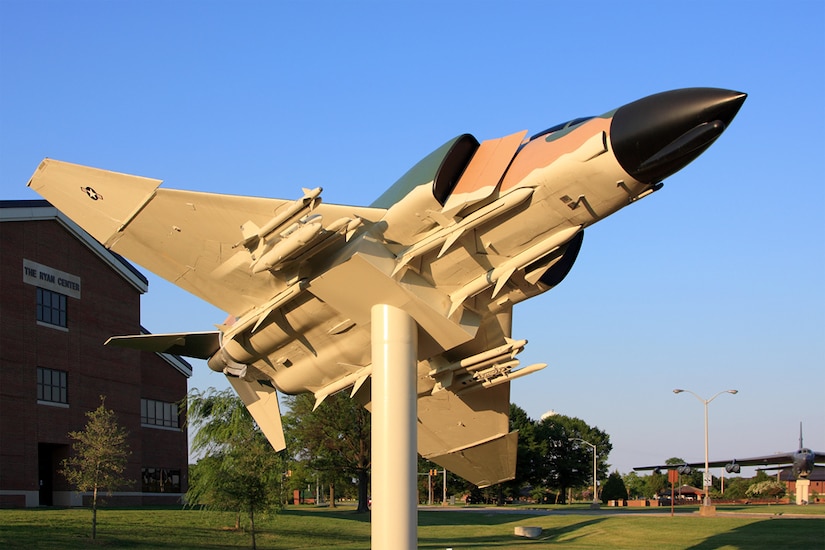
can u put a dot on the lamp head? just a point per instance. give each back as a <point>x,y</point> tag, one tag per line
<point>733,392</point>
<point>678,391</point>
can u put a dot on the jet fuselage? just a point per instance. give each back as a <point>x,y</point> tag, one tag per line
<point>566,180</point>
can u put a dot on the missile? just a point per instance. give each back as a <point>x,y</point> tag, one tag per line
<point>503,378</point>
<point>447,236</point>
<point>287,247</point>
<point>502,273</point>
<point>354,379</point>
<point>498,359</point>
<point>495,371</point>
<point>485,358</point>
<point>259,314</point>
<point>253,234</point>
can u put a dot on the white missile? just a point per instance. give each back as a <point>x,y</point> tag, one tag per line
<point>354,379</point>
<point>257,316</point>
<point>286,247</point>
<point>502,273</point>
<point>447,236</point>
<point>253,233</point>
<point>485,358</point>
<point>503,378</point>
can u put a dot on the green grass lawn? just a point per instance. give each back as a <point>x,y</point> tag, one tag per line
<point>742,527</point>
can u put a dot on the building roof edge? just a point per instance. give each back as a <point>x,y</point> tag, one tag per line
<point>40,210</point>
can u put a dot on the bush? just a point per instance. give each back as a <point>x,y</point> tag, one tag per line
<point>766,489</point>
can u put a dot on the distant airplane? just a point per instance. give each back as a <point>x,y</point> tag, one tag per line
<point>801,461</point>
<point>468,232</point>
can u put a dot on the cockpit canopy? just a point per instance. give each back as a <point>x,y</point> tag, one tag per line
<point>569,125</point>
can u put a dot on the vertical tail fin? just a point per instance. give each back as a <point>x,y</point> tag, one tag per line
<point>800,436</point>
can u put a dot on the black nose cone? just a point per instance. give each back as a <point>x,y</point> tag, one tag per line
<point>659,135</point>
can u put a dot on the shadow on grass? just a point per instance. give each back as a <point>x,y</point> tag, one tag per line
<point>770,533</point>
<point>508,540</point>
<point>476,517</point>
<point>348,515</point>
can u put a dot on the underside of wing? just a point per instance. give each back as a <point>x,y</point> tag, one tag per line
<point>198,241</point>
<point>779,459</point>
<point>469,435</point>
<point>464,405</point>
<point>200,345</point>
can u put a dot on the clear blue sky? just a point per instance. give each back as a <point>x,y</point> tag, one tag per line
<point>716,282</point>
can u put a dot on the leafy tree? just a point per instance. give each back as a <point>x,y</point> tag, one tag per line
<point>635,484</point>
<point>333,439</point>
<point>569,463</point>
<point>99,456</point>
<point>766,489</point>
<point>655,484</point>
<point>239,470</point>
<point>529,457</point>
<point>735,488</point>
<point>614,488</point>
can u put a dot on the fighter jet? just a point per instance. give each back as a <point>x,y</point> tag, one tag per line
<point>471,230</point>
<point>801,461</point>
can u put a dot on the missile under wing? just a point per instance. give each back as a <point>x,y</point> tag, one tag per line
<point>470,231</point>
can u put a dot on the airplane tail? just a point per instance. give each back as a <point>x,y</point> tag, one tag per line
<point>200,345</point>
<point>800,436</point>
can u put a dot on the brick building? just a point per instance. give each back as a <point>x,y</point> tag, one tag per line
<point>816,490</point>
<point>61,296</point>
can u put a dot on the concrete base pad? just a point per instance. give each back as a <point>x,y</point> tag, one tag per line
<point>528,532</point>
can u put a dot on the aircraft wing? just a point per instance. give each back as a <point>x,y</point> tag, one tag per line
<point>464,405</point>
<point>779,459</point>
<point>189,238</point>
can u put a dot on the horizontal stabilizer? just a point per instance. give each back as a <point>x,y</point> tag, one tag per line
<point>484,464</point>
<point>262,402</point>
<point>200,345</point>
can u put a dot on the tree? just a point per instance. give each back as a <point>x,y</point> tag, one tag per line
<point>735,488</point>
<point>635,484</point>
<point>569,463</point>
<point>655,484</point>
<point>529,459</point>
<point>239,470</point>
<point>99,455</point>
<point>333,439</point>
<point>766,489</point>
<point>614,488</point>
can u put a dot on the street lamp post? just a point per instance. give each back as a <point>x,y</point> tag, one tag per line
<point>706,475</point>
<point>595,503</point>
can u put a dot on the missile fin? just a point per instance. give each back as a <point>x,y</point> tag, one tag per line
<point>359,383</point>
<point>451,239</point>
<point>502,280</point>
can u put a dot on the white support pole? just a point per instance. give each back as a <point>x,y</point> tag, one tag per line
<point>394,435</point>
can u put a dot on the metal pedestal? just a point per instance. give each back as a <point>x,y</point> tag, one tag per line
<point>394,432</point>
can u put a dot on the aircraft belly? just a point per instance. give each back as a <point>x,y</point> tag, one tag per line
<point>331,359</point>
<point>354,286</point>
<point>303,346</point>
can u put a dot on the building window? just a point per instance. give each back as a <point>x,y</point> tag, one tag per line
<point>159,413</point>
<point>51,307</point>
<point>160,480</point>
<point>52,385</point>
